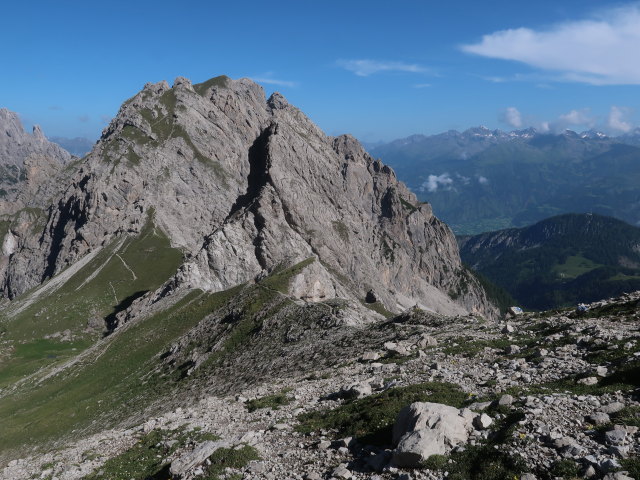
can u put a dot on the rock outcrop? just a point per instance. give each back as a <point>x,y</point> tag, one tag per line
<point>246,185</point>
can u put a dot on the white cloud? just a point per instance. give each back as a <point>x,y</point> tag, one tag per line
<point>435,181</point>
<point>422,85</point>
<point>512,117</point>
<point>483,180</point>
<point>598,51</point>
<point>618,119</point>
<point>364,68</point>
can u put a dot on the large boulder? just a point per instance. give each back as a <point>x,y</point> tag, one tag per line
<point>423,429</point>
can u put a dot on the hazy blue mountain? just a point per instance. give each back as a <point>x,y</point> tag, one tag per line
<point>481,180</point>
<point>78,146</point>
<point>559,261</point>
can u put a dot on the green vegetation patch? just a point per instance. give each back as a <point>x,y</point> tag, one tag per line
<point>221,81</point>
<point>341,229</point>
<point>371,419</point>
<point>574,266</point>
<point>281,277</point>
<point>379,307</point>
<point>408,206</point>
<point>117,275</point>
<point>484,463</point>
<point>274,401</point>
<point>629,416</point>
<point>565,468</point>
<point>224,458</point>
<point>29,357</point>
<point>626,377</point>
<point>631,465</point>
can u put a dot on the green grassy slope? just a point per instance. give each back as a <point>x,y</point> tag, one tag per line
<point>60,318</point>
<point>125,373</point>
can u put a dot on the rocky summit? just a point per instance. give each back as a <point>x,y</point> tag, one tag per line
<point>221,291</point>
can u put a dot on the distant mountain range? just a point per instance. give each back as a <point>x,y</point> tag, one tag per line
<point>481,180</point>
<point>559,261</point>
<point>78,146</point>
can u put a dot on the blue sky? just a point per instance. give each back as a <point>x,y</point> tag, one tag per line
<point>377,69</point>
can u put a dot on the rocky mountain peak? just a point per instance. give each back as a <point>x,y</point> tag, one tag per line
<point>244,185</point>
<point>27,163</point>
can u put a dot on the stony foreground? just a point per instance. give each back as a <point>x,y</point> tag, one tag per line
<point>552,395</point>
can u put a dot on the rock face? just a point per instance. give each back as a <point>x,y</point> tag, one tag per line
<point>424,429</point>
<point>245,185</point>
<point>25,159</point>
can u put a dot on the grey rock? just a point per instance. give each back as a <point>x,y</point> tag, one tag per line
<point>427,341</point>
<point>508,328</point>
<point>482,422</point>
<point>563,442</point>
<point>598,418</point>
<point>615,436</point>
<point>613,407</point>
<point>505,400</point>
<point>610,465</point>
<point>619,450</point>
<point>370,356</point>
<point>356,390</point>
<point>590,472</point>
<point>423,429</point>
<point>341,471</point>
<point>512,349</point>
<point>396,349</point>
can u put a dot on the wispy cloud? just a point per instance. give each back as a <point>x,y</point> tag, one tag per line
<point>364,68</point>
<point>422,85</point>
<point>512,117</point>
<point>84,118</point>
<point>270,78</point>
<point>55,107</point>
<point>597,51</point>
<point>274,81</point>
